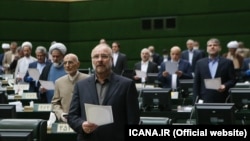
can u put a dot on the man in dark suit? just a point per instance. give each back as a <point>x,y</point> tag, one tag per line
<point>145,65</point>
<point>119,59</point>
<point>108,89</point>
<point>156,57</point>
<point>42,61</point>
<point>192,55</point>
<point>184,69</point>
<point>245,70</point>
<point>214,66</point>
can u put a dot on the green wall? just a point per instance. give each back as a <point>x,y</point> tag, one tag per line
<point>80,25</point>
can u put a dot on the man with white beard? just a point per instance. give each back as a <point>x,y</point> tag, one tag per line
<point>52,71</point>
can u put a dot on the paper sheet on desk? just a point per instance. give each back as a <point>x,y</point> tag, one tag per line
<point>213,84</point>
<point>49,85</point>
<point>99,114</point>
<point>34,73</point>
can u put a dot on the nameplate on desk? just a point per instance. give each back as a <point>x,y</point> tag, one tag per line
<point>43,107</point>
<point>22,86</point>
<point>29,96</point>
<point>7,76</point>
<point>4,82</point>
<point>9,88</point>
<point>61,128</point>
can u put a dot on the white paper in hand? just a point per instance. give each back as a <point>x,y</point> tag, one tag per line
<point>213,84</point>
<point>34,73</point>
<point>171,67</point>
<point>49,85</point>
<point>99,114</point>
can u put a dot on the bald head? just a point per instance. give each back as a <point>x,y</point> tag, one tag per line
<point>71,64</point>
<point>102,59</point>
<point>72,56</point>
<point>175,53</point>
<point>102,48</point>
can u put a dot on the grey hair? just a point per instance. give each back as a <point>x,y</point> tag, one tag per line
<point>41,49</point>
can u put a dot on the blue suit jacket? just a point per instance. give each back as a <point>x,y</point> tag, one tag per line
<point>225,71</point>
<point>244,68</point>
<point>183,66</point>
<point>121,95</point>
<point>33,87</point>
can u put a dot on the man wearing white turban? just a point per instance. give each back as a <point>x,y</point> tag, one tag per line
<point>5,47</point>
<point>23,63</point>
<point>52,71</point>
<point>235,57</point>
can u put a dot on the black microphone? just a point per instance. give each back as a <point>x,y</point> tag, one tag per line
<point>193,109</point>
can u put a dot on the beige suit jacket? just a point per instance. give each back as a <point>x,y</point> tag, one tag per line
<point>63,93</point>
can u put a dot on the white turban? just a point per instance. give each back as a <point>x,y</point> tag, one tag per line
<point>233,44</point>
<point>5,46</point>
<point>27,43</point>
<point>58,46</point>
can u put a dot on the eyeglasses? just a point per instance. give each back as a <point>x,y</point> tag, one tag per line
<point>102,56</point>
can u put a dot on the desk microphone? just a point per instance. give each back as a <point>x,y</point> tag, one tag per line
<point>193,109</point>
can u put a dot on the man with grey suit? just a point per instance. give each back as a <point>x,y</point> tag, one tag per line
<point>108,89</point>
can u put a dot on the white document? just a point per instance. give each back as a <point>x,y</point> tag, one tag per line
<point>171,67</point>
<point>141,74</point>
<point>34,73</point>
<point>49,85</point>
<point>99,114</point>
<point>213,83</point>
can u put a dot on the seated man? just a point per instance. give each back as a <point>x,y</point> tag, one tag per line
<point>184,69</point>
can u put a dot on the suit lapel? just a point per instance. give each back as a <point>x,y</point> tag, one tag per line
<point>220,63</point>
<point>206,68</point>
<point>92,90</point>
<point>113,85</point>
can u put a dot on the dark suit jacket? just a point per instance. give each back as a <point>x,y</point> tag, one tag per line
<point>196,56</point>
<point>121,64</point>
<point>157,58</point>
<point>183,66</point>
<point>44,76</point>
<point>225,70</point>
<point>33,87</point>
<point>244,68</point>
<point>152,68</point>
<point>121,95</point>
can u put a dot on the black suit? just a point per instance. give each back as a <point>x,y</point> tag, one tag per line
<point>152,68</point>
<point>121,95</point>
<point>196,56</point>
<point>121,64</point>
<point>156,58</point>
<point>225,71</point>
